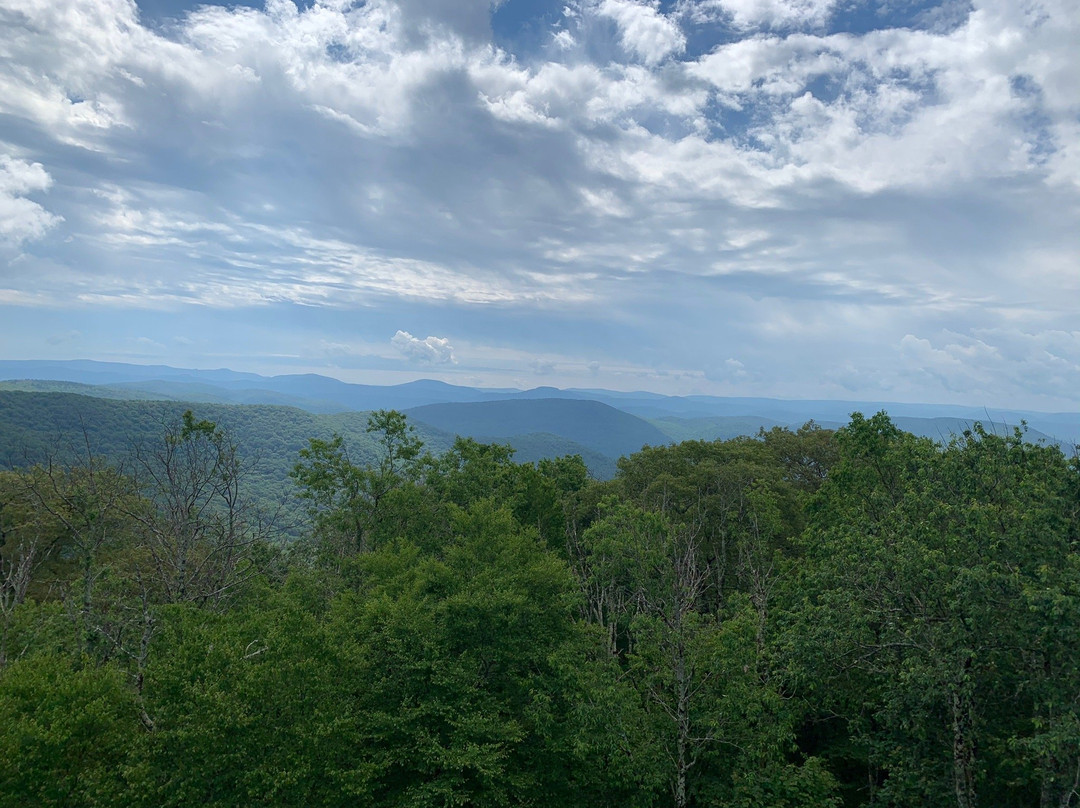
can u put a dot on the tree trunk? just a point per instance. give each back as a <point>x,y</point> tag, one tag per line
<point>86,611</point>
<point>682,718</point>
<point>963,721</point>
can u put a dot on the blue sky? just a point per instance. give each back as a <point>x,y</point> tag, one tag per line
<point>794,198</point>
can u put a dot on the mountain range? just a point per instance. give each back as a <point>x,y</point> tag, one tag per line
<point>601,425</point>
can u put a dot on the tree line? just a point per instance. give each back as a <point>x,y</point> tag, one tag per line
<point>805,618</point>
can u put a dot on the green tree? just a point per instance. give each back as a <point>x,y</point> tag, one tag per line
<point>345,500</point>
<point>67,729</point>
<point>743,498</point>
<point>922,565</point>
<point>465,675</point>
<point>244,707</point>
<point>537,495</point>
<point>716,719</point>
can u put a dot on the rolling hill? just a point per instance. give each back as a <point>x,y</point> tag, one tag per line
<point>35,425</point>
<point>675,417</point>
<point>596,426</point>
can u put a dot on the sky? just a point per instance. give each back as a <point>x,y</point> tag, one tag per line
<point>834,199</point>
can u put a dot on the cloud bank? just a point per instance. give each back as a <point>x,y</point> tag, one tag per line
<point>846,199</point>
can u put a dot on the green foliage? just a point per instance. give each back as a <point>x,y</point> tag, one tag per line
<point>242,708</point>
<point>701,671</point>
<point>744,498</point>
<point>346,501</point>
<point>800,619</point>
<point>67,731</point>
<point>924,568</point>
<point>471,472</point>
<point>34,426</point>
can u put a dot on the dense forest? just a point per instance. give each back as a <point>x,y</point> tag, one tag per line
<point>33,424</point>
<point>803,618</point>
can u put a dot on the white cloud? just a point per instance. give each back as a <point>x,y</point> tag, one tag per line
<point>563,39</point>
<point>22,219</point>
<point>430,350</point>
<point>643,30</point>
<point>770,65</point>
<point>760,13</point>
<point>984,362</point>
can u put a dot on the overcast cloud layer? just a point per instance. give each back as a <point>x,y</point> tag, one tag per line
<point>800,198</point>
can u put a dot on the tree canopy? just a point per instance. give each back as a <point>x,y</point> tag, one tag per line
<point>801,619</point>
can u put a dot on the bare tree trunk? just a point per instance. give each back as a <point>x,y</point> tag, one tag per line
<point>963,721</point>
<point>86,611</point>
<point>682,721</point>
<point>1060,786</point>
<point>15,576</point>
<point>687,587</point>
<point>201,532</point>
<point>1073,791</point>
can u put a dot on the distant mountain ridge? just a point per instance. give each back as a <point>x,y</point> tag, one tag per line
<point>323,394</point>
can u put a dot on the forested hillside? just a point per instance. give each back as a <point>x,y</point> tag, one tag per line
<point>64,427</point>
<point>599,427</point>
<point>802,619</point>
<point>34,424</point>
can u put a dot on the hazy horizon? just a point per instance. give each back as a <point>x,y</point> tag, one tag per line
<point>417,376</point>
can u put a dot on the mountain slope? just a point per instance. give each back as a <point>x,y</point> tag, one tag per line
<point>723,427</point>
<point>34,426</point>
<point>541,445</point>
<point>596,426</point>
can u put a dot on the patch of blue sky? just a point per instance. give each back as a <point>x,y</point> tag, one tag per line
<point>339,52</point>
<point>163,13</point>
<point>890,118</point>
<point>861,17</point>
<point>703,38</point>
<point>601,45</point>
<point>826,87</point>
<point>1037,124</point>
<point>669,127</point>
<point>727,122</point>
<point>525,27</point>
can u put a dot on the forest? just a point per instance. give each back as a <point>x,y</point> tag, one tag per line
<point>803,618</point>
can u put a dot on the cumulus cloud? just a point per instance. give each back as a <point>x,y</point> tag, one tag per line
<point>430,350</point>
<point>643,30</point>
<point>22,219</point>
<point>982,362</point>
